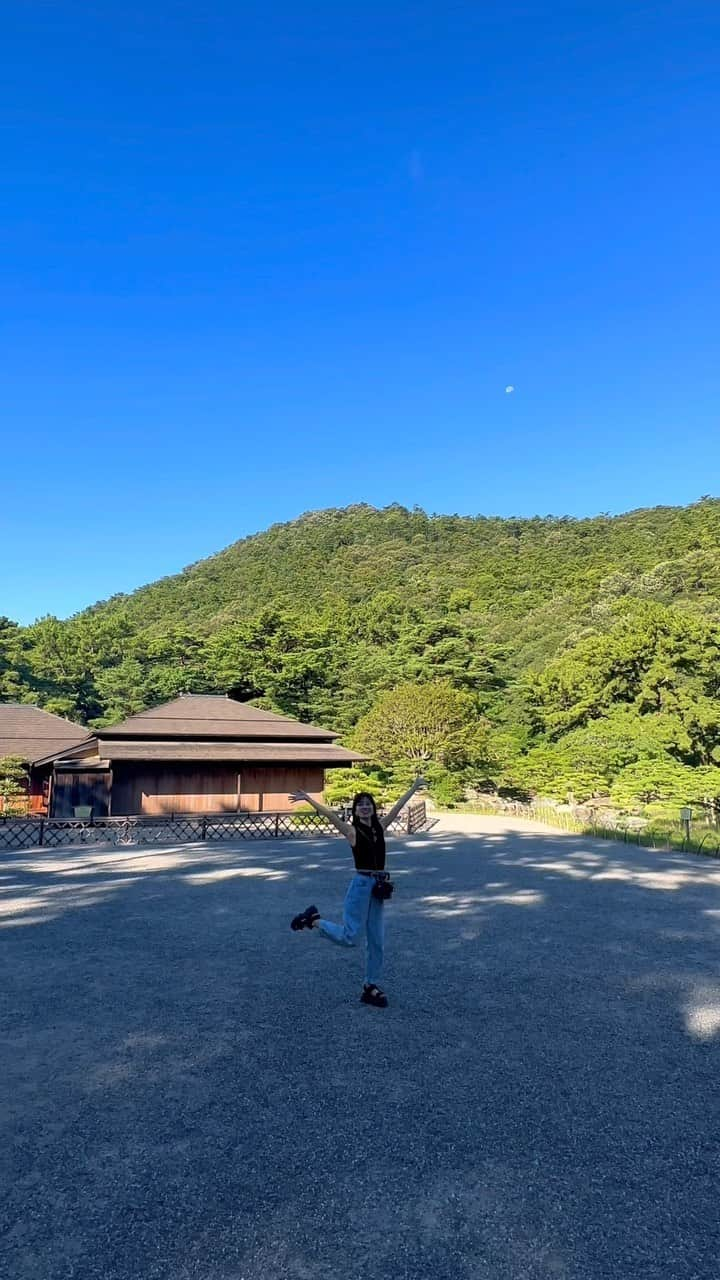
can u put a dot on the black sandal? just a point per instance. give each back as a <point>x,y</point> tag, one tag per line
<point>374,996</point>
<point>305,920</point>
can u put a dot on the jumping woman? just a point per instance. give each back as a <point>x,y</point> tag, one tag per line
<point>368,889</point>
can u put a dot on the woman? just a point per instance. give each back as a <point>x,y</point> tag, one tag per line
<point>362,910</point>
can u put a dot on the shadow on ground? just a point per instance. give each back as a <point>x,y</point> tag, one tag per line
<point>189,1090</point>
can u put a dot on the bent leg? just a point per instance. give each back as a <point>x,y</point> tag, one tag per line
<point>355,910</point>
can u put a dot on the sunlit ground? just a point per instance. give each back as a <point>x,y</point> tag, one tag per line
<point>187,1089</point>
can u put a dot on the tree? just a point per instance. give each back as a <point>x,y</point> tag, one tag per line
<point>418,723</point>
<point>659,666</point>
<point>13,783</point>
<point>551,770</point>
<point>666,780</point>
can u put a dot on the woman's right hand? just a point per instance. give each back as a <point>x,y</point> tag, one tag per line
<point>296,797</point>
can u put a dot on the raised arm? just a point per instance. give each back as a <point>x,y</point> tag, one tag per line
<point>400,804</point>
<point>345,828</point>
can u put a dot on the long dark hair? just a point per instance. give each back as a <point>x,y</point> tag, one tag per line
<point>374,821</point>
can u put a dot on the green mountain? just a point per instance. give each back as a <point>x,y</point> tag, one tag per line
<point>546,627</point>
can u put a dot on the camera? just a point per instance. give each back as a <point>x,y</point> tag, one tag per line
<point>383,887</point>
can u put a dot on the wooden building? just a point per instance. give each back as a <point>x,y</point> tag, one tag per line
<point>30,734</point>
<point>197,754</point>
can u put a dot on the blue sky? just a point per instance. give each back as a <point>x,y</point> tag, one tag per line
<point>259,259</point>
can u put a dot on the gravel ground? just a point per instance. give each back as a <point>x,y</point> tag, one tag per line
<point>189,1090</point>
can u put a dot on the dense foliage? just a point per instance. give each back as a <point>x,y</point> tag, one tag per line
<point>13,785</point>
<point>563,657</point>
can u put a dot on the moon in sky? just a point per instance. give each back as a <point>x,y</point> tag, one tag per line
<point>509,390</point>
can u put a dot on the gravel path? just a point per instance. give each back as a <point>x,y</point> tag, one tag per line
<point>189,1090</point>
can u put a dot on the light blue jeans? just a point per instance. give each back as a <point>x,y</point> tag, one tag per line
<point>361,913</point>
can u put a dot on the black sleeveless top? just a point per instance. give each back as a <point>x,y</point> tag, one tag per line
<point>369,851</point>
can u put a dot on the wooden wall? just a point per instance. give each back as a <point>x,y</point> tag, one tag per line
<point>266,787</point>
<point>167,788</point>
<point>40,786</point>
<point>211,788</point>
<point>73,788</point>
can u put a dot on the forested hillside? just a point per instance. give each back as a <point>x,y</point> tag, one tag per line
<point>549,655</point>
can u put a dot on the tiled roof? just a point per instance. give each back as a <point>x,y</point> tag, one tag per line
<point>211,716</point>
<point>29,732</point>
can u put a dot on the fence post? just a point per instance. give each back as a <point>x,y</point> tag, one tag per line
<point>277,825</point>
<point>204,828</point>
<point>685,820</point>
<point>42,831</point>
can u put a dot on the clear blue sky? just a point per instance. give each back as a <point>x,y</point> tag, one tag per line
<point>262,258</point>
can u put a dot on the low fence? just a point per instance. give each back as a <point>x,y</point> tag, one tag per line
<point>706,842</point>
<point>30,833</point>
